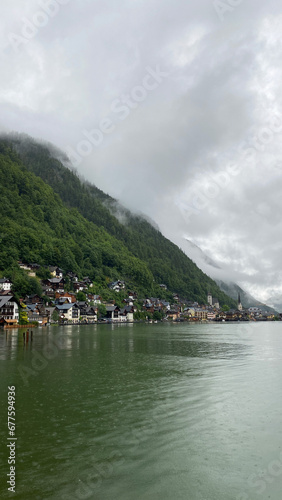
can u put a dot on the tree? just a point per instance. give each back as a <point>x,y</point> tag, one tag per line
<point>46,299</point>
<point>102,311</point>
<point>23,317</point>
<point>140,315</point>
<point>157,316</point>
<point>80,296</point>
<point>23,284</point>
<point>43,273</point>
<point>55,316</point>
<point>225,308</point>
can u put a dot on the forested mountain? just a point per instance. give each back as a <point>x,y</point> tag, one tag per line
<point>247,300</point>
<point>50,216</point>
<point>211,268</point>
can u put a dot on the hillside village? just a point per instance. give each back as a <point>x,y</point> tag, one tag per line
<point>77,303</point>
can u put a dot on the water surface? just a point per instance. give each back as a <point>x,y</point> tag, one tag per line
<point>162,411</point>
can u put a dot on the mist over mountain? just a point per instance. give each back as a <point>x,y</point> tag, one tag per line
<point>276,302</point>
<point>221,277</point>
<point>52,217</point>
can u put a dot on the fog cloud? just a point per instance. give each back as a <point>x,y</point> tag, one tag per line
<point>63,65</point>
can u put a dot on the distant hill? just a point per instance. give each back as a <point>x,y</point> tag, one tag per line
<point>232,289</point>
<point>50,216</point>
<point>227,286</point>
<point>276,302</point>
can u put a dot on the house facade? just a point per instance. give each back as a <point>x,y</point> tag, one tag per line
<point>88,314</point>
<point>201,313</point>
<point>37,313</point>
<point>5,284</point>
<point>113,313</point>
<point>127,314</point>
<point>68,312</point>
<point>117,286</point>
<point>9,309</point>
<point>66,297</point>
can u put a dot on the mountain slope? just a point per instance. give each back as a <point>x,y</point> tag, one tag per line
<point>36,227</point>
<point>275,301</point>
<point>231,288</point>
<point>159,259</point>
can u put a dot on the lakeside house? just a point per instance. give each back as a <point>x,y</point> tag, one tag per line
<point>112,313</point>
<point>88,314</point>
<point>68,312</point>
<point>173,314</point>
<point>211,315</point>
<point>201,313</point>
<point>127,314</point>
<point>189,312</point>
<point>37,313</point>
<point>9,309</point>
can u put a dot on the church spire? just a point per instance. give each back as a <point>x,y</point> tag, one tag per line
<point>240,307</point>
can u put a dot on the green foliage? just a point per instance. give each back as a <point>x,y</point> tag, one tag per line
<point>102,311</point>
<point>225,307</point>
<point>157,316</point>
<point>22,283</point>
<point>43,273</point>
<point>140,315</point>
<point>55,315</point>
<point>23,317</point>
<point>80,296</point>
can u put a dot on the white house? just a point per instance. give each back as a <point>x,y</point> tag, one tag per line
<point>97,299</point>
<point>113,313</point>
<point>127,314</point>
<point>117,285</point>
<point>254,310</point>
<point>68,312</point>
<point>9,309</point>
<point>211,315</point>
<point>5,284</point>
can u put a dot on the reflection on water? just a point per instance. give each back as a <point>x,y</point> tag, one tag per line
<point>144,411</point>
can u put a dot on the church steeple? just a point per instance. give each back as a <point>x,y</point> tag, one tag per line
<point>240,307</point>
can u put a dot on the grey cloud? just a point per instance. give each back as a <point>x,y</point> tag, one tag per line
<point>222,89</point>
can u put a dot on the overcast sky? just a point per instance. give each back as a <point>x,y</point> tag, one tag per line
<point>174,107</point>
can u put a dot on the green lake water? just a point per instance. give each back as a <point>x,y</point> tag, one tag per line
<point>137,412</point>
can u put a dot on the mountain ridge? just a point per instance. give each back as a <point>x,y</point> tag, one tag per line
<point>231,288</point>
<point>135,249</point>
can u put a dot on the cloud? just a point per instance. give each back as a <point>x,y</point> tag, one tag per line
<point>218,101</point>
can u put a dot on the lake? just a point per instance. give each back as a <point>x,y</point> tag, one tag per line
<point>139,411</point>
